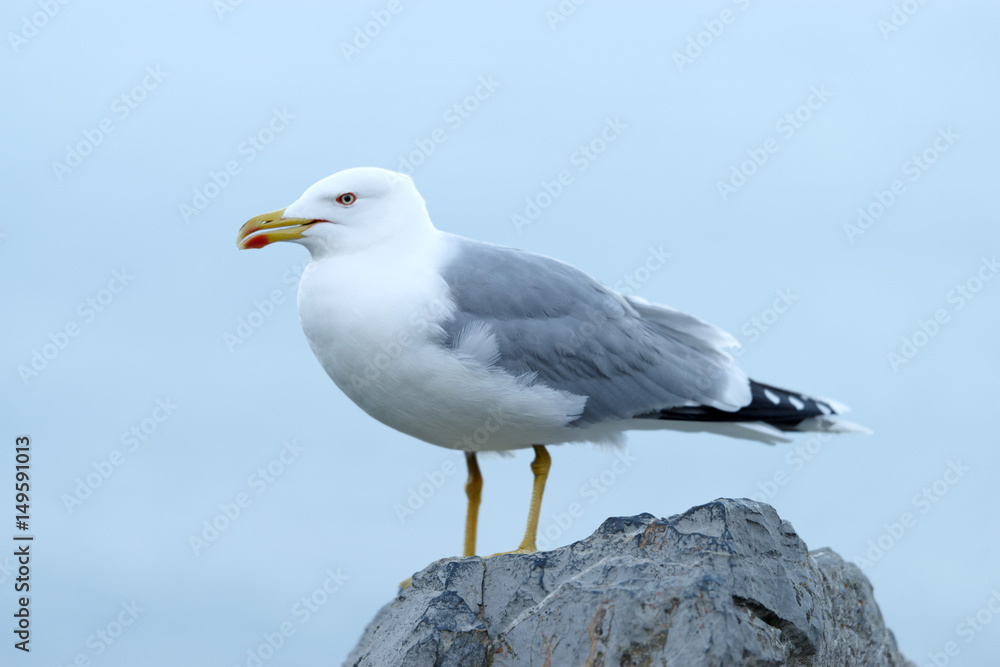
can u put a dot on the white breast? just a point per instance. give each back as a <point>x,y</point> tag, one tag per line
<point>373,325</point>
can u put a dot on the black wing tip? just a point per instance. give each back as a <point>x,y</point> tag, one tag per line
<point>783,409</point>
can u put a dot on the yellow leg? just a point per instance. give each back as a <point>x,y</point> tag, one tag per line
<point>473,489</point>
<point>540,467</point>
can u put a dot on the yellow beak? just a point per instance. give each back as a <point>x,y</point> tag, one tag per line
<point>271,227</point>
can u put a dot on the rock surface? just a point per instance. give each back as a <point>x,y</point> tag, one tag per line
<point>727,583</point>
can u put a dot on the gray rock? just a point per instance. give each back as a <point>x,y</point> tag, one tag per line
<point>727,583</point>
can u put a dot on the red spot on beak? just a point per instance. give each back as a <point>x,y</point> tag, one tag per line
<point>258,241</point>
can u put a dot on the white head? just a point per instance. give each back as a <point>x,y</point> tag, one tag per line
<point>347,212</point>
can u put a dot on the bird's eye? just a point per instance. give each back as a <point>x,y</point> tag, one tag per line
<point>346,199</point>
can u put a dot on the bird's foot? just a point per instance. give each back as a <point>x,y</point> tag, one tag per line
<point>523,549</point>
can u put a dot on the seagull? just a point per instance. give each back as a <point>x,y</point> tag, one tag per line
<point>479,347</point>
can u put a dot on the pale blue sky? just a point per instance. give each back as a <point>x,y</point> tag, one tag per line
<point>140,136</point>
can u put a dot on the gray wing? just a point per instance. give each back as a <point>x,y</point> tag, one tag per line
<point>553,322</point>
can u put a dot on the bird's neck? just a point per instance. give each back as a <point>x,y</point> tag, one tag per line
<point>399,276</point>
<point>355,307</point>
